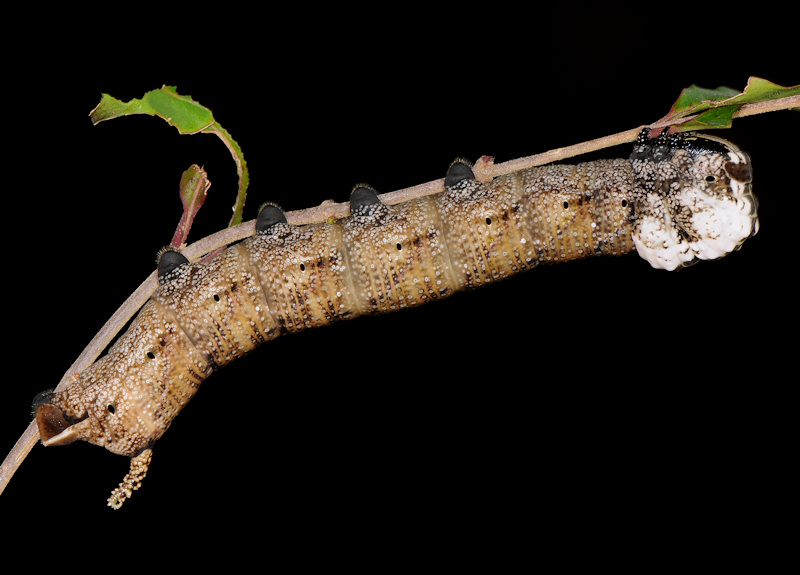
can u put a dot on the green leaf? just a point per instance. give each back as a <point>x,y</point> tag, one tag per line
<point>185,114</point>
<point>702,108</point>
<point>714,118</point>
<point>694,97</point>
<point>188,117</point>
<point>760,90</point>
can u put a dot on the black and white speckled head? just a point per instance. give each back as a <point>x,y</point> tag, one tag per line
<point>693,199</point>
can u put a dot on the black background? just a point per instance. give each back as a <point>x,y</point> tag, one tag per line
<point>596,411</point>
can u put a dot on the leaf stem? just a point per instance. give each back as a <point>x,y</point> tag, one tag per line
<point>241,169</point>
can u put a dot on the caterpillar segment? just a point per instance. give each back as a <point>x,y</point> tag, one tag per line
<point>673,201</point>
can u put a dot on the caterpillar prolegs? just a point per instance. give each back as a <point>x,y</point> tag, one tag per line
<point>675,200</point>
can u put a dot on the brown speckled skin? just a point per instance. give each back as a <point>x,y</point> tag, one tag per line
<point>380,259</point>
<point>674,201</point>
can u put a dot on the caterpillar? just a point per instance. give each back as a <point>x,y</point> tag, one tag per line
<point>676,199</point>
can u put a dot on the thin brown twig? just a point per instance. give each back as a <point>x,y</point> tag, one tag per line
<point>485,170</point>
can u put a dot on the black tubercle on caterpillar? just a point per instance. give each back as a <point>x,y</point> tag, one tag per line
<point>458,171</point>
<point>169,259</point>
<point>363,196</point>
<point>269,215</point>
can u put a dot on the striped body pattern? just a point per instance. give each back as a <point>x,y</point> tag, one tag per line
<point>674,200</point>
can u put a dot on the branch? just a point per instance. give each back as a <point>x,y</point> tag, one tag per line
<point>485,170</point>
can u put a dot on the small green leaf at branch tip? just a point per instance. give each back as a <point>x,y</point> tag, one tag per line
<point>179,111</point>
<point>702,108</point>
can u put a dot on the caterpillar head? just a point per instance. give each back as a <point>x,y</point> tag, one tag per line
<point>693,199</point>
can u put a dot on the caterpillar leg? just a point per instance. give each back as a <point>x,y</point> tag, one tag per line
<point>133,480</point>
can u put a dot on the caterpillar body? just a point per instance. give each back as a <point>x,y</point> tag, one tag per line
<point>677,199</point>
